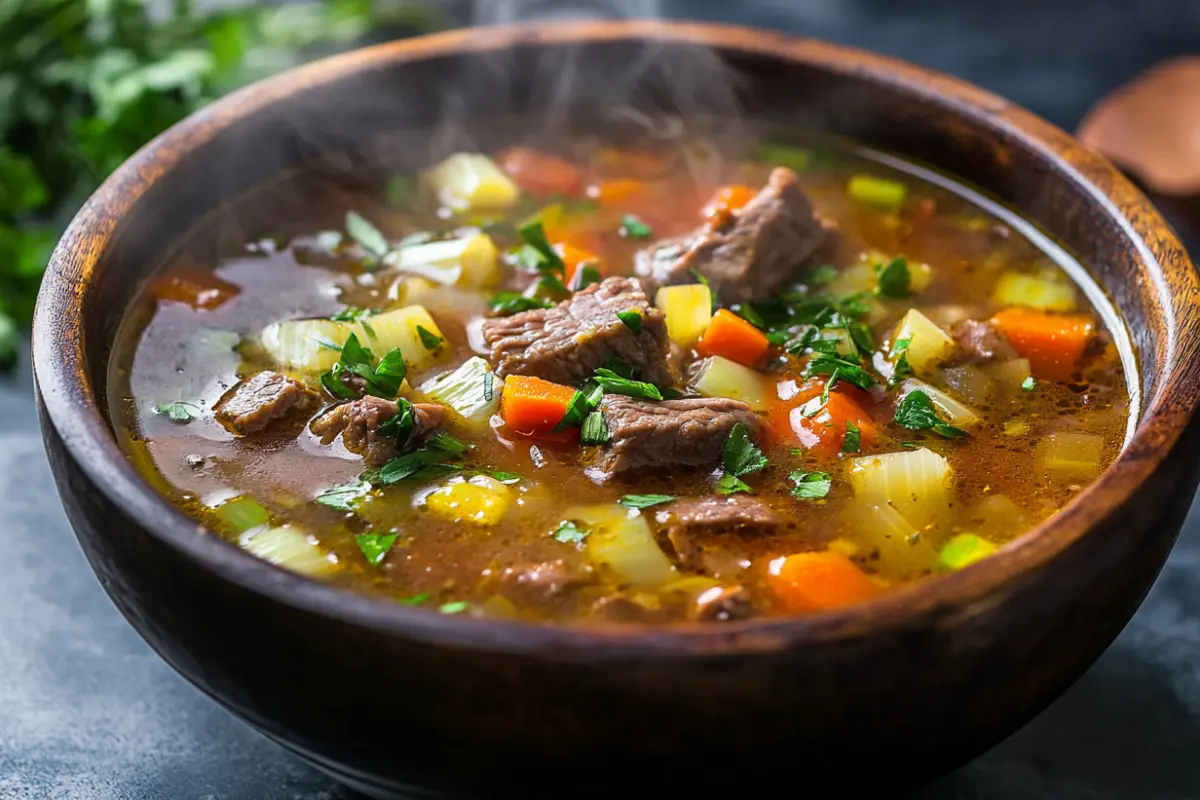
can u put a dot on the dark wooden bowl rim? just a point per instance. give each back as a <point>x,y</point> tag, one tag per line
<point>72,407</point>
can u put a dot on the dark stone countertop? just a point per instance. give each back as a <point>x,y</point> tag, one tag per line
<point>88,712</point>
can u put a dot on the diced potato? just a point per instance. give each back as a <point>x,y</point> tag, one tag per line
<point>970,383</point>
<point>920,275</point>
<point>964,550</point>
<point>998,517</point>
<point>471,182</point>
<point>915,483</point>
<point>399,329</point>
<point>289,548</point>
<point>928,344</point>
<point>1072,455</point>
<point>480,501</point>
<point>621,540</point>
<point>720,377</point>
<point>1019,289</point>
<point>688,309</point>
<point>472,261</point>
<point>304,345</point>
<point>953,411</point>
<point>466,391</point>
<point>901,544</point>
<point>858,277</point>
<point>1010,375</point>
<point>412,290</point>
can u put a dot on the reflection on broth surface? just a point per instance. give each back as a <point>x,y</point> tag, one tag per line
<point>602,383</point>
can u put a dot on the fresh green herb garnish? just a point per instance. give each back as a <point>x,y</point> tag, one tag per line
<point>1029,384</point>
<point>860,334</point>
<point>697,274</point>
<point>910,445</point>
<point>917,412</point>
<point>893,278</point>
<point>578,407</point>
<point>595,429</point>
<point>632,319</point>
<point>178,411</point>
<point>826,273</point>
<point>751,314</point>
<point>416,599</point>
<point>454,608</point>
<point>400,425</point>
<point>853,440</point>
<point>844,370</point>
<point>642,501</point>
<point>345,497</point>
<point>375,546</point>
<point>367,235</point>
<point>568,533</point>
<point>545,259</point>
<point>634,228</point>
<point>585,275</point>
<point>382,379</point>
<point>739,458</point>
<point>352,314</point>
<point>430,461</point>
<point>810,485</point>
<point>505,303</point>
<point>507,478</point>
<point>613,383</point>
<point>430,339</point>
<point>731,484</point>
<point>899,353</point>
<point>399,191</point>
<point>620,366</point>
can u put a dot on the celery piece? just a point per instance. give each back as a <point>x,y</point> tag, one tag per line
<point>289,548</point>
<point>472,390</point>
<point>242,513</point>
<point>965,549</point>
<point>782,155</point>
<point>878,192</point>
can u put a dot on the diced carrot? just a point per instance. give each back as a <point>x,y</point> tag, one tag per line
<point>727,200</point>
<point>532,406</point>
<point>574,257</point>
<point>632,161</point>
<point>824,433</point>
<point>732,337</point>
<point>542,174</point>
<point>1053,343</point>
<point>821,581</point>
<point>199,288</point>
<point>618,193</point>
<point>815,386</point>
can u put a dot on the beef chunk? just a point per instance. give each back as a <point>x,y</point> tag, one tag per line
<point>980,341</point>
<point>358,421</point>
<point>253,405</point>
<point>539,582</point>
<point>697,528</point>
<point>747,255</point>
<point>688,432</point>
<point>570,341</point>
<point>722,604</point>
<point>627,607</point>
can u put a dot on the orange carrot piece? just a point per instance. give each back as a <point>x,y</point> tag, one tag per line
<point>541,174</point>
<point>199,288</point>
<point>619,192</point>
<point>824,433</point>
<point>815,386</point>
<point>532,406</point>
<point>732,337</point>
<point>574,257</point>
<point>821,581</point>
<point>1053,343</point>
<point>727,200</point>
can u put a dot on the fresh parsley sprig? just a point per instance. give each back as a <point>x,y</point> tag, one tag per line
<point>917,412</point>
<point>739,457</point>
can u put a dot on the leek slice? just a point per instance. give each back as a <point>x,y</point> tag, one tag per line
<point>964,550</point>
<point>916,483</point>
<point>472,261</point>
<point>901,545</point>
<point>289,548</point>
<point>953,411</point>
<point>472,391</point>
<point>242,513</point>
<point>471,182</point>
<point>305,345</point>
<point>398,329</point>
<point>928,344</point>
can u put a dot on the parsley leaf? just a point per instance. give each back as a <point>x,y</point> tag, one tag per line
<point>748,312</point>
<point>578,407</point>
<point>1029,384</point>
<point>810,485</point>
<point>367,235</point>
<point>822,364</point>
<point>585,275</point>
<point>400,425</point>
<point>416,599</point>
<point>632,227</point>
<point>632,319</point>
<point>539,254</point>
<point>507,478</point>
<point>352,314</point>
<point>505,303</point>
<point>382,379</point>
<point>568,533</point>
<point>740,456</point>
<point>826,273</point>
<point>620,366</point>
<point>595,429</point>
<point>893,278</point>
<point>899,354</point>
<point>853,440</point>
<point>375,546</point>
<point>431,340</point>
<point>454,608</point>
<point>613,383</point>
<point>178,411</point>
<point>425,463</point>
<point>346,496</point>
<point>917,412</point>
<point>641,501</point>
<point>731,484</point>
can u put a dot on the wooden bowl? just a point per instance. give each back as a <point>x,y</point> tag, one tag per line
<point>390,698</point>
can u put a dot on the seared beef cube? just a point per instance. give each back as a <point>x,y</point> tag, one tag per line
<point>688,432</point>
<point>570,341</point>
<point>980,341</point>
<point>359,421</point>
<point>539,582</point>
<point>722,604</point>
<point>627,607</point>
<point>699,528</point>
<point>748,255</point>
<point>253,405</point>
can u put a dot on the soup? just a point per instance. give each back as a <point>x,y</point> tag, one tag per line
<point>593,383</point>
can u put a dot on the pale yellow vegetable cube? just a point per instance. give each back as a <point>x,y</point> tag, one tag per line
<point>688,309</point>
<point>916,483</point>
<point>621,541</point>
<point>472,182</point>
<point>471,262</point>
<point>399,329</point>
<point>480,501</point>
<point>720,377</point>
<point>304,345</point>
<point>1019,289</point>
<point>1072,455</point>
<point>928,345</point>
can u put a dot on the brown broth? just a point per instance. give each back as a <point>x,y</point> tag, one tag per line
<point>170,351</point>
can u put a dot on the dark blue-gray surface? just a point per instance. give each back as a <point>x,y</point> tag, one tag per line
<point>87,712</point>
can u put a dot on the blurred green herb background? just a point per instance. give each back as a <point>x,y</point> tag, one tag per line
<point>85,83</point>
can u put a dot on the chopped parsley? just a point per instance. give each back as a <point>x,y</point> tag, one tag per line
<point>538,253</point>
<point>507,478</point>
<point>893,278</point>
<point>917,412</point>
<point>810,485</point>
<point>739,458</point>
<point>1029,384</point>
<point>382,379</point>
<point>375,546</point>
<point>568,533</point>
<point>585,275</point>
<point>902,368</point>
<point>633,228</point>
<point>620,366</point>
<point>579,406</point>
<point>595,429</point>
<point>178,411</point>
<point>400,425</point>
<point>345,497</point>
<point>613,383</point>
<point>853,440</point>
<point>838,369</point>
<point>431,340</point>
<point>505,303</point>
<point>430,461</point>
<point>641,501</point>
<point>416,599</point>
<point>353,314</point>
<point>632,319</point>
<point>367,235</point>
<point>454,608</point>
<point>826,273</point>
